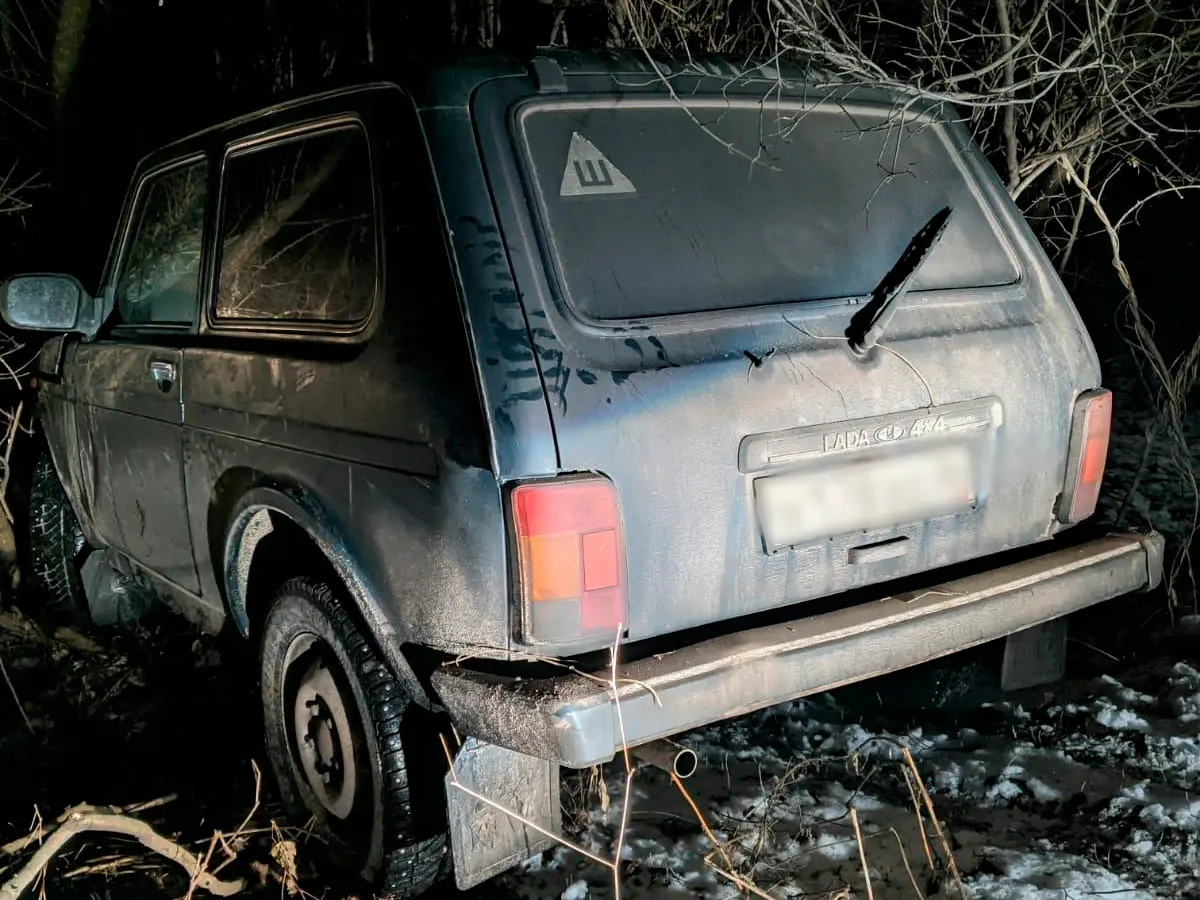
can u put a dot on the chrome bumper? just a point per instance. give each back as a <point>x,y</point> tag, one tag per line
<point>572,720</point>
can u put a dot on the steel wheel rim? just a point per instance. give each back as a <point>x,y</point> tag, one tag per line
<point>324,730</point>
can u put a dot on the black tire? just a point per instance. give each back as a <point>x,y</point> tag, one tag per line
<point>56,547</point>
<point>384,825</point>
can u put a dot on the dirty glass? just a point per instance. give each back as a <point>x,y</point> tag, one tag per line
<point>160,273</point>
<point>647,214</point>
<point>298,234</point>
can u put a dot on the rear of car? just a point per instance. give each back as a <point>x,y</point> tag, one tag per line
<point>689,263</point>
<point>757,508</point>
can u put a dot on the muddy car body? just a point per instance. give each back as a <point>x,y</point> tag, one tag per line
<point>517,361</point>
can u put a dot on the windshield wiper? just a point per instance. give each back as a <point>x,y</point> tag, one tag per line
<point>869,323</point>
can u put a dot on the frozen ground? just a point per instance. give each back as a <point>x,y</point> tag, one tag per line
<point>1088,791</point>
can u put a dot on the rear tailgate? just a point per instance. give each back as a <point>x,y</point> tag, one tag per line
<point>688,274</point>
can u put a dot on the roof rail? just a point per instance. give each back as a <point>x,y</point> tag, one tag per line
<point>548,75</point>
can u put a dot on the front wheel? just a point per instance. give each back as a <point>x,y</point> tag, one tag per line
<point>343,738</point>
<point>56,546</point>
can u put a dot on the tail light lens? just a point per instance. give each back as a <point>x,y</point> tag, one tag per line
<point>1091,425</point>
<point>571,556</point>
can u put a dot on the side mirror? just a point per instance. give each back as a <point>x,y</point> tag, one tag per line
<point>47,303</point>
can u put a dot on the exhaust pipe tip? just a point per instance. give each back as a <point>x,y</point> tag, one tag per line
<point>686,763</point>
<point>681,762</point>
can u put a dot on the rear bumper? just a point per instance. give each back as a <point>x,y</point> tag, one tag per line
<point>573,721</point>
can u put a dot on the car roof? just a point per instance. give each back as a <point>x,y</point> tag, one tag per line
<point>448,81</point>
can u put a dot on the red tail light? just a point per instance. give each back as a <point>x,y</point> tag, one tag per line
<point>571,555</point>
<point>1091,425</point>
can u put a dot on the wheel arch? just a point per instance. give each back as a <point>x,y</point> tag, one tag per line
<point>241,530</point>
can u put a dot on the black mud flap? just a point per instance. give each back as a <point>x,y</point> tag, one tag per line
<point>486,840</point>
<point>115,594</point>
<point>1035,656</point>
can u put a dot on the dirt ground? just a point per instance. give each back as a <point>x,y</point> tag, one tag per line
<point>118,719</point>
<point>123,717</point>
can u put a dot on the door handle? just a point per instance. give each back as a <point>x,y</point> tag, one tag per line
<point>163,374</point>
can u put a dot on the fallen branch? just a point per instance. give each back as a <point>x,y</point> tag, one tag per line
<point>39,833</point>
<point>90,819</point>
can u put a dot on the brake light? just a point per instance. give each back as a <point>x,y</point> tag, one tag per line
<point>571,556</point>
<point>1091,426</point>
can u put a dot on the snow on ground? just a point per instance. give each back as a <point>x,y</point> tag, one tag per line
<point>1090,791</point>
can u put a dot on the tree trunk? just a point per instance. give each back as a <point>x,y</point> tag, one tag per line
<point>68,47</point>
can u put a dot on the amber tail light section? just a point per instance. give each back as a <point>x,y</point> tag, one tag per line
<point>1091,425</point>
<point>570,550</point>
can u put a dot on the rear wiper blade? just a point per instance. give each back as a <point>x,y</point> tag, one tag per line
<point>869,323</point>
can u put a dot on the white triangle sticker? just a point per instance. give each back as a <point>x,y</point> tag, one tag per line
<point>590,172</point>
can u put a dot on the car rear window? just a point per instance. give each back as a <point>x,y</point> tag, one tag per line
<point>649,214</point>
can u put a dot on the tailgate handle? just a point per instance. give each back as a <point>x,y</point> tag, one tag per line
<point>873,553</point>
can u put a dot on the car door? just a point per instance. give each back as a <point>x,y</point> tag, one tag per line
<point>128,383</point>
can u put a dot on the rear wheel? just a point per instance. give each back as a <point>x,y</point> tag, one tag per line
<point>344,738</point>
<point>56,546</point>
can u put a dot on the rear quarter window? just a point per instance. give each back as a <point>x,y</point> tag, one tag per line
<point>645,214</point>
<point>298,230</point>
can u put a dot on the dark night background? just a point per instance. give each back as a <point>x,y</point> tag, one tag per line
<point>150,71</point>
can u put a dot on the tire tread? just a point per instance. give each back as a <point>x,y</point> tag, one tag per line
<point>55,544</point>
<point>410,866</point>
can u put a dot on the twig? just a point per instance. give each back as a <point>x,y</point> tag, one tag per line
<point>718,847</point>
<point>862,853</point>
<point>10,439</point>
<point>200,869</point>
<point>738,880</point>
<point>1135,482</point>
<point>230,853</point>
<point>951,864</point>
<point>78,823</point>
<point>16,699</point>
<point>1010,77</point>
<point>907,868</point>
<point>108,866</point>
<point>912,792</point>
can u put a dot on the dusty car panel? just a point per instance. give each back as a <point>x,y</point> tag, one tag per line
<point>381,436</point>
<point>633,397</point>
<point>135,423</point>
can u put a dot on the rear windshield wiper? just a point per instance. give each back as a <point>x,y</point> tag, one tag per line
<point>869,323</point>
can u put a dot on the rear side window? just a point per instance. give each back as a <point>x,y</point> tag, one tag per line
<point>159,275</point>
<point>298,231</point>
<point>648,215</point>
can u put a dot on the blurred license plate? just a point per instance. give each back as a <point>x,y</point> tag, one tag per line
<point>864,495</point>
